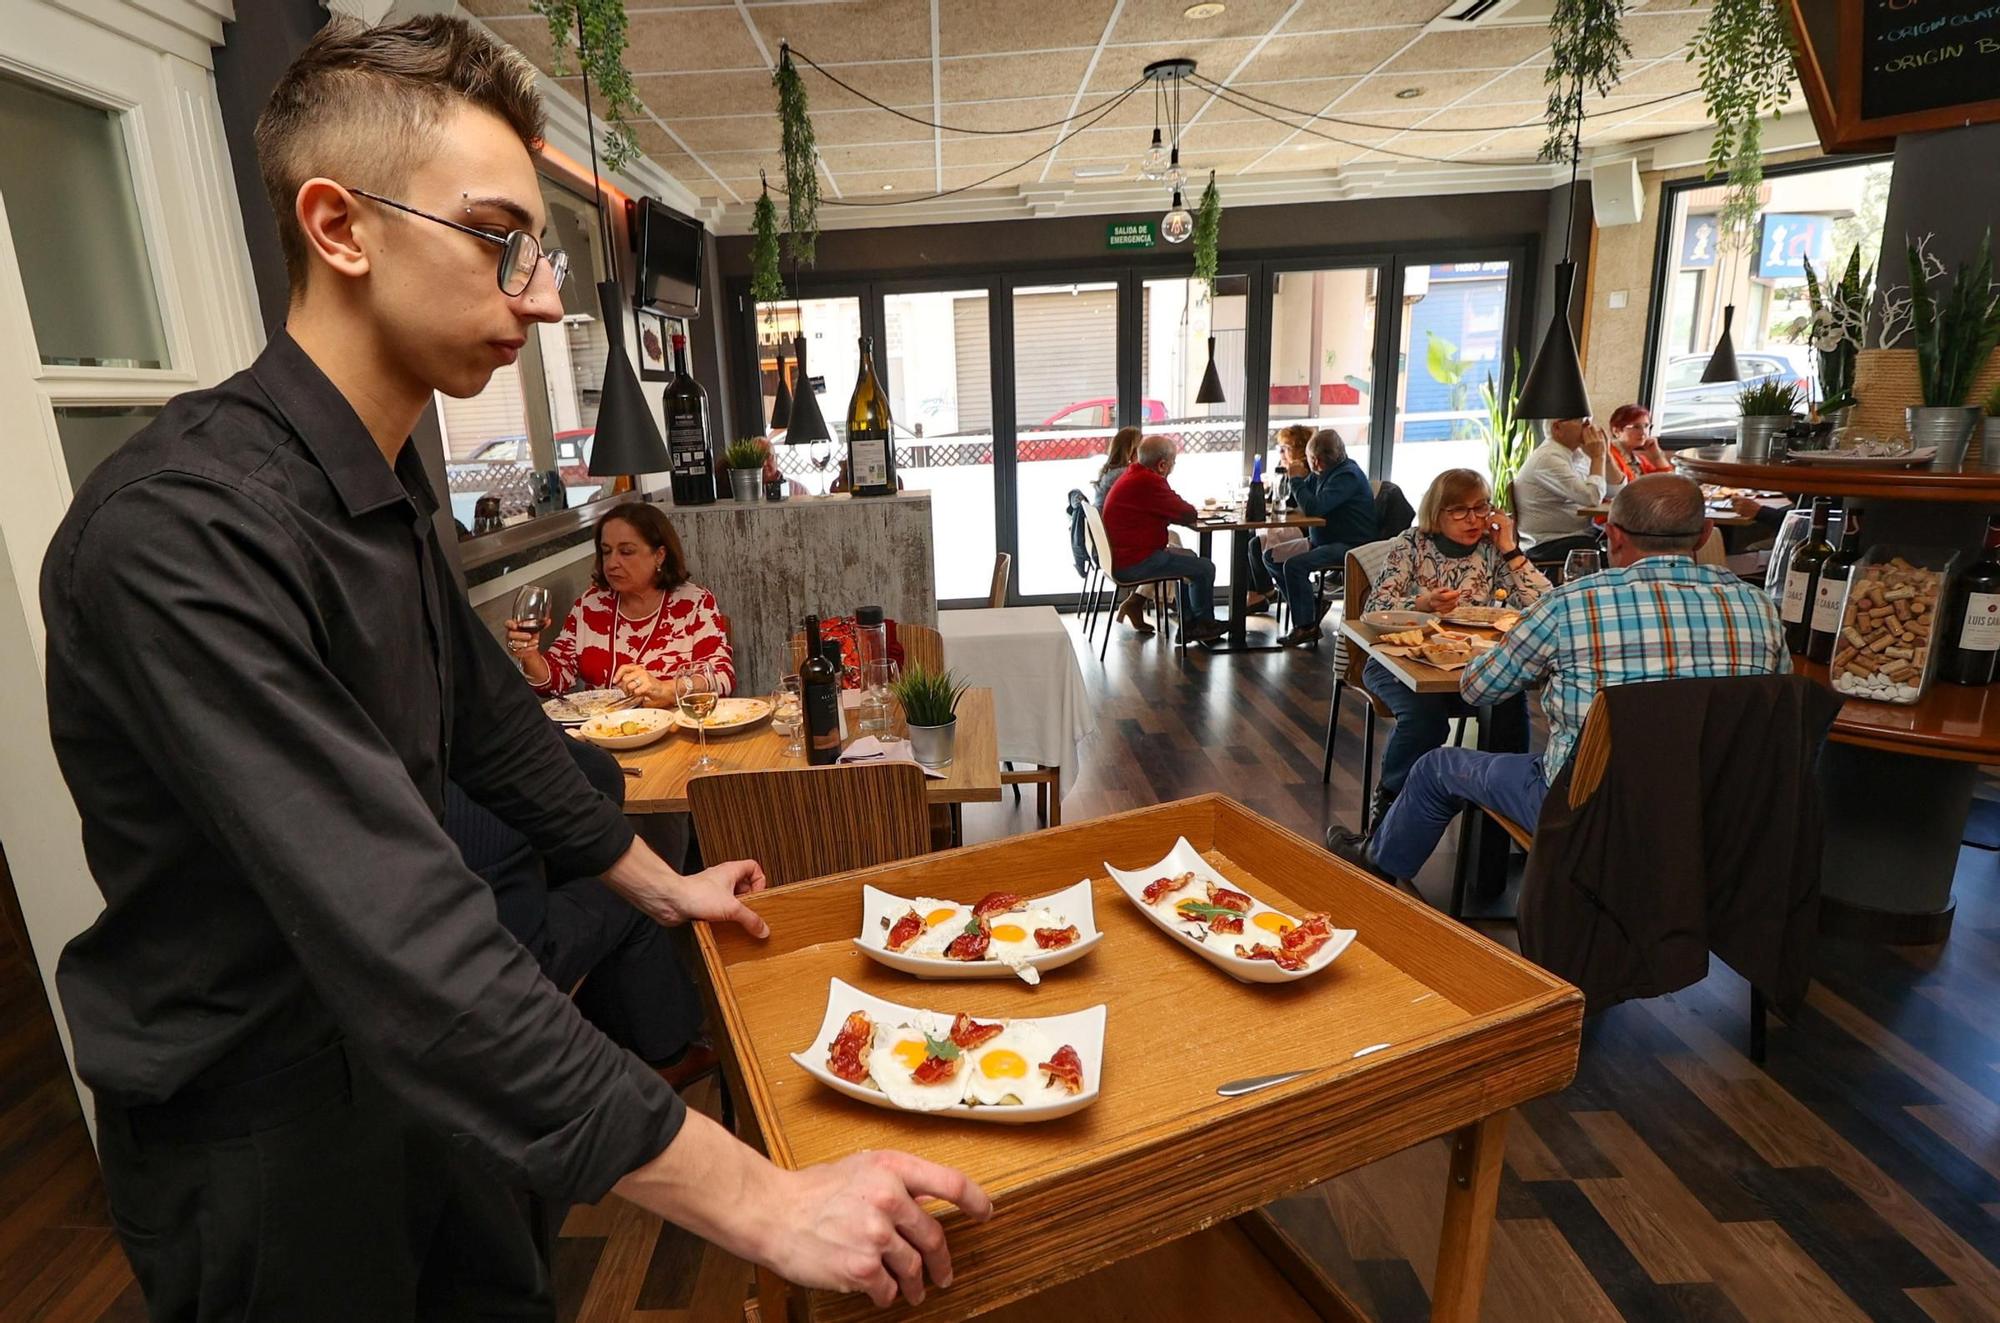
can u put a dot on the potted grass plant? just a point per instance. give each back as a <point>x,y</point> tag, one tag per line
<point>1767,408</point>
<point>1989,443</point>
<point>1954,329</point>
<point>1835,328</point>
<point>930,709</point>
<point>744,458</point>
<point>1509,437</point>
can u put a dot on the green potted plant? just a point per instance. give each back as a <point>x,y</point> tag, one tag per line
<point>930,709</point>
<point>1509,438</point>
<point>1768,408</point>
<point>1954,329</point>
<point>1989,444</point>
<point>1839,318</point>
<point>744,458</point>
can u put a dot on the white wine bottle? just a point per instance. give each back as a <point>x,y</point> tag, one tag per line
<point>871,449</point>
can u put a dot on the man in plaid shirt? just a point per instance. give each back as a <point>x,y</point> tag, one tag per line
<point>1655,615</point>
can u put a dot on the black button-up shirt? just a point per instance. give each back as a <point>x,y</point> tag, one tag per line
<point>260,675</point>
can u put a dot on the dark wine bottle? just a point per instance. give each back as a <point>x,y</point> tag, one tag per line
<point>1973,617</point>
<point>687,434</point>
<point>819,685</point>
<point>871,449</point>
<point>1802,576</point>
<point>1830,594</point>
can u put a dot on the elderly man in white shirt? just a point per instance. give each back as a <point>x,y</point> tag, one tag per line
<point>1567,470</point>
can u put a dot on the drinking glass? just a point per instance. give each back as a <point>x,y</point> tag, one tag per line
<point>877,709</point>
<point>820,452</point>
<point>694,694</point>
<point>1579,563</point>
<point>788,715</point>
<point>531,612</point>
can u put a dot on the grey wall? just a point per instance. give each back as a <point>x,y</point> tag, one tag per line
<point>1945,185</point>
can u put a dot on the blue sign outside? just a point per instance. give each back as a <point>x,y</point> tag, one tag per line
<point>1788,240</point>
<point>1698,242</point>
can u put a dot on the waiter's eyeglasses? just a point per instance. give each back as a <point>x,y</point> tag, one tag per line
<point>519,250</point>
<point>1480,511</point>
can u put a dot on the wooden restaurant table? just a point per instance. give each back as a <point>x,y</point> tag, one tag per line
<point>661,786</point>
<point>1226,519</point>
<point>1041,708</point>
<point>1146,1203</point>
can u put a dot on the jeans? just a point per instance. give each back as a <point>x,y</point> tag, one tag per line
<point>1196,573</point>
<point>1437,790</point>
<point>1423,721</point>
<point>1295,573</point>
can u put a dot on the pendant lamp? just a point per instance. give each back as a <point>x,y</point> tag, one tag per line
<point>1211,381</point>
<point>627,439</point>
<point>1722,363</point>
<point>807,423</point>
<point>1554,386</point>
<point>781,404</point>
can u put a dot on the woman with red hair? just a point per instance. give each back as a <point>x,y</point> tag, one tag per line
<point>1634,448</point>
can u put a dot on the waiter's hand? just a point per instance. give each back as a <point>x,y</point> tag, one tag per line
<point>670,898</point>
<point>856,1225</point>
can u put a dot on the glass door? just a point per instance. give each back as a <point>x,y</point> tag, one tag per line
<point>936,363</point>
<point>832,328</point>
<point>1323,353</point>
<point>1453,333</point>
<point>1177,317</point>
<point>1065,370</point>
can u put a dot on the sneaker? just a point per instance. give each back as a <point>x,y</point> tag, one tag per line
<point>1353,848</point>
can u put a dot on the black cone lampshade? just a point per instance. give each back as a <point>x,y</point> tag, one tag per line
<point>1211,382</point>
<point>627,440</point>
<point>1722,363</point>
<point>781,403</point>
<point>1553,387</point>
<point>807,423</point>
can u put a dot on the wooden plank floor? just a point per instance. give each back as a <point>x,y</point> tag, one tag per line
<point>1855,1176</point>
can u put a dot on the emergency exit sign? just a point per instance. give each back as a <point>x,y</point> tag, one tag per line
<point>1130,234</point>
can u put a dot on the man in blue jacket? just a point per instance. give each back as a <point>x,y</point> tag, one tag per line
<point>1338,491</point>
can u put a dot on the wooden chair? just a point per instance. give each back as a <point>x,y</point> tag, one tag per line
<point>1348,662</point>
<point>1165,589</point>
<point>1003,565</point>
<point>922,646</point>
<point>801,823</point>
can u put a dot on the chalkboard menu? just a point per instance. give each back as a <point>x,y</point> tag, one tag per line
<point>1919,55</point>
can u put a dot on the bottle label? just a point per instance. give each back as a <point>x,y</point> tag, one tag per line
<point>822,704</point>
<point>687,443</point>
<point>1981,631</point>
<point>1829,601</point>
<point>868,454</point>
<point>1794,608</point>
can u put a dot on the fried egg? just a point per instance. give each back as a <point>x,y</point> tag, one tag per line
<point>943,920</point>
<point>1014,933</point>
<point>894,1059</point>
<point>1271,921</point>
<point>1007,1069</point>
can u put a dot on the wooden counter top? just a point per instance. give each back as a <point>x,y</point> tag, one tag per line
<point>1954,722</point>
<point>1972,488</point>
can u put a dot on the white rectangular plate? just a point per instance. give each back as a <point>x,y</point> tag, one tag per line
<point>1082,1030</point>
<point>1219,949</point>
<point>1071,902</point>
<point>729,714</point>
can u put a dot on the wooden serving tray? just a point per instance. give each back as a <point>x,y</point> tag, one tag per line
<point>1471,1029</point>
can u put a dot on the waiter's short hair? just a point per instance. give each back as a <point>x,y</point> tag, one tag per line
<point>364,106</point>
<point>655,530</point>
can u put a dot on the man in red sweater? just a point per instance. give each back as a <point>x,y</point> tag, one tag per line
<point>1137,510</point>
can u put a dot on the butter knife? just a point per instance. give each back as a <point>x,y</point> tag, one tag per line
<point>1237,1088</point>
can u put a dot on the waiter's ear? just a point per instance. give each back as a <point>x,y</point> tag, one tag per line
<point>330,220</point>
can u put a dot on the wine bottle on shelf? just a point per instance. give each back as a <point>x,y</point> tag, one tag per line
<point>871,449</point>
<point>693,474</point>
<point>1830,594</point>
<point>819,684</point>
<point>1972,618</point>
<point>1802,576</point>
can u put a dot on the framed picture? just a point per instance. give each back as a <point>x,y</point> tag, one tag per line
<point>655,338</point>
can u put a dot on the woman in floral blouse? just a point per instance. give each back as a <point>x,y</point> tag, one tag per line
<point>1462,552</point>
<point>663,623</point>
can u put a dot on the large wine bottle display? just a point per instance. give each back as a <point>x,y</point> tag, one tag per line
<point>687,434</point>
<point>871,447</point>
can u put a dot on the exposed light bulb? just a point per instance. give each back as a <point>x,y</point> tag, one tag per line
<point>1177,226</point>
<point>1153,164</point>
<point>1176,175</point>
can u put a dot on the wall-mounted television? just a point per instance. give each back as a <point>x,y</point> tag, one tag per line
<point>669,251</point>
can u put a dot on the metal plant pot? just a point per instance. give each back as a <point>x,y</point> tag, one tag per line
<point>1948,427</point>
<point>933,746</point>
<point>746,484</point>
<point>1989,446</point>
<point>1755,433</point>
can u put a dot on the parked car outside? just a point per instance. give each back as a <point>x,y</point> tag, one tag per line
<point>1690,405</point>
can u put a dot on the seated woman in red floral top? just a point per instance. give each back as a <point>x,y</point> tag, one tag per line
<point>663,622</point>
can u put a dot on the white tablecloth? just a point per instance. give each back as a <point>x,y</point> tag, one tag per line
<point>1025,656</point>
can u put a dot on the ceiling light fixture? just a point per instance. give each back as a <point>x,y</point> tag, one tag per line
<point>1167,77</point>
<point>1208,10</point>
<point>888,188</point>
<point>1554,385</point>
<point>1409,93</point>
<point>1177,226</point>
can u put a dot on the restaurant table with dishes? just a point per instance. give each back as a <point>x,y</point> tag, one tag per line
<point>1233,518</point>
<point>1212,1013</point>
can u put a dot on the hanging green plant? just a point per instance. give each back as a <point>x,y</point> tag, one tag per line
<point>795,130</point>
<point>603,63</point>
<point>1744,54</point>
<point>1587,47</point>
<point>766,285</point>
<point>1207,235</point>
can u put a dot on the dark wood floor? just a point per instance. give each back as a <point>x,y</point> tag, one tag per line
<point>1855,1176</point>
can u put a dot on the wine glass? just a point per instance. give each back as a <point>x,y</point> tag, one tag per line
<point>877,708</point>
<point>1580,563</point>
<point>694,694</point>
<point>821,454</point>
<point>531,613</point>
<point>788,715</point>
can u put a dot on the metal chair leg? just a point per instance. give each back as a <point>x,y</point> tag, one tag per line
<point>1368,770</point>
<point>1466,816</point>
<point>1332,730</point>
<point>1757,1026</point>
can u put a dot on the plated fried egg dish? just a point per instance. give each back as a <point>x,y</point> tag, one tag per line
<point>926,1064</point>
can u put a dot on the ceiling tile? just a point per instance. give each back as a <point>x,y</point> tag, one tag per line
<point>1102,145</point>
<point>1121,66</point>
<point>991,152</point>
<point>1301,156</point>
<point>1345,15</point>
<point>975,178</point>
<point>982,77</point>
<point>1522,86</point>
<point>1488,119</point>
<point>671,95</point>
<point>1016,113</point>
<point>733,133</point>
<point>864,186</point>
<point>690,40</point>
<point>980,27</point>
<point>893,82</point>
<point>1497,48</point>
<point>1163,20</point>
<point>1379,93</point>
<point>1663,79</point>
<point>1307,96</point>
<point>1513,145</point>
<point>1210,139</point>
<point>1434,145</point>
<point>1339,53</point>
<point>831,30</point>
<point>530,36</point>
<point>1658,34</point>
<point>844,161</point>
<point>845,128</point>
